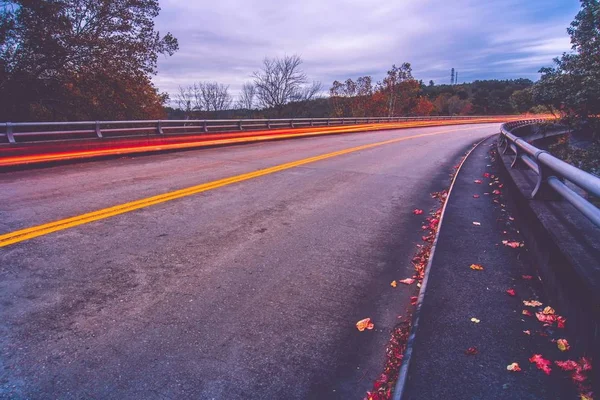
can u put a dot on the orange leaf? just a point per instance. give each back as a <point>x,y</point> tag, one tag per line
<point>563,344</point>
<point>527,312</point>
<point>364,324</point>
<point>549,311</point>
<point>514,367</point>
<point>476,267</point>
<point>532,303</point>
<point>393,284</point>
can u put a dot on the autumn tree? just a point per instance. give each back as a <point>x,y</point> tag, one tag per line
<point>281,81</point>
<point>398,87</point>
<point>80,59</point>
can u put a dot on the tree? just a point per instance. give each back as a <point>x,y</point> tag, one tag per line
<point>573,85</point>
<point>246,100</point>
<point>522,100</point>
<point>281,81</point>
<point>215,96</point>
<point>80,59</point>
<point>395,86</point>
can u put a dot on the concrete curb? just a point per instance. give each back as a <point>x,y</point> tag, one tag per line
<point>403,374</point>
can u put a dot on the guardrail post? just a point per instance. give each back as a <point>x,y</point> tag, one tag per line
<point>240,125</point>
<point>312,123</point>
<point>159,128</point>
<point>98,132</point>
<point>9,133</point>
<point>517,156</point>
<point>291,123</point>
<point>268,124</point>
<point>205,126</point>
<point>328,122</point>
<point>542,191</point>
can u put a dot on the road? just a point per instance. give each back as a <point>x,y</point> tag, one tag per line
<point>249,289</point>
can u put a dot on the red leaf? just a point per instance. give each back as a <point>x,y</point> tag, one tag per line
<point>541,363</point>
<point>471,351</point>
<point>477,181</point>
<point>417,212</point>
<point>511,292</point>
<point>413,300</point>
<point>486,175</point>
<point>496,192</point>
<point>568,365</point>
<point>527,277</point>
<point>475,196</point>
<point>407,281</point>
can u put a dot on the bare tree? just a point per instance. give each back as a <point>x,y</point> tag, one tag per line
<point>246,100</point>
<point>203,96</point>
<point>185,100</point>
<point>281,81</point>
<point>215,96</point>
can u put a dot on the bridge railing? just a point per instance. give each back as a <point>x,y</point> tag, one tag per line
<point>25,132</point>
<point>551,172</point>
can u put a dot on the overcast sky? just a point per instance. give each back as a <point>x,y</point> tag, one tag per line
<point>226,40</point>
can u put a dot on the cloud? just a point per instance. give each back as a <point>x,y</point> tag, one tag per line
<point>226,40</point>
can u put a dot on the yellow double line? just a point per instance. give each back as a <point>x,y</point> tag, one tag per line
<point>40,230</point>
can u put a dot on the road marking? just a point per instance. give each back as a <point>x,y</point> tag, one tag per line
<point>44,229</point>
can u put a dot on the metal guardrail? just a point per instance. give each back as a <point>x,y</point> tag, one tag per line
<point>551,172</point>
<point>26,132</point>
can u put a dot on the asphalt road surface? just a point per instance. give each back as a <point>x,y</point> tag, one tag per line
<point>247,291</point>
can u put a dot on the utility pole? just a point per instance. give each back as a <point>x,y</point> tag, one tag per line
<point>456,78</point>
<point>452,77</point>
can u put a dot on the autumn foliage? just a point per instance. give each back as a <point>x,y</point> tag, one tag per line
<point>80,59</point>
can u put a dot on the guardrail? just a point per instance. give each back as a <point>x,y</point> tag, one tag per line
<point>24,132</point>
<point>551,171</point>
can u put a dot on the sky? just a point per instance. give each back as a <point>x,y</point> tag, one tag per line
<point>226,40</point>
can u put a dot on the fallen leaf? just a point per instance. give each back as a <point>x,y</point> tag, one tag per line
<point>563,344</point>
<point>471,351</point>
<point>560,322</point>
<point>586,396</point>
<point>541,363</point>
<point>477,181</point>
<point>511,219</point>
<point>527,277</point>
<point>527,312</point>
<point>393,284</point>
<point>527,332</point>
<point>476,267</point>
<point>512,244</point>
<point>496,192</point>
<point>413,300</point>
<point>364,324</point>
<point>418,212</point>
<point>475,320</point>
<point>476,196</point>
<point>476,223</point>
<point>585,363</point>
<point>514,367</point>
<point>549,311</point>
<point>532,303</point>
<point>407,281</point>
<point>511,292</point>
<point>568,365</point>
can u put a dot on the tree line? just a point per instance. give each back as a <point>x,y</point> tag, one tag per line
<point>88,59</point>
